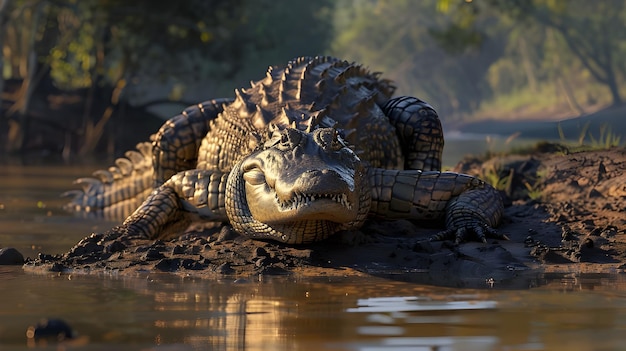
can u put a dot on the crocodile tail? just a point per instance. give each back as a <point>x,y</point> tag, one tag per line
<point>116,192</point>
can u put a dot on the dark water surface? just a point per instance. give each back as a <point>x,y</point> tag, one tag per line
<point>166,312</point>
<point>161,311</point>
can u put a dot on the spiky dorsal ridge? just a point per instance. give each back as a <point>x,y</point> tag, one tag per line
<point>310,89</point>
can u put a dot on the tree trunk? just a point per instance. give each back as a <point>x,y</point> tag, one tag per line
<point>528,65</point>
<point>595,55</point>
<point>28,68</point>
<point>5,9</point>
<point>613,88</point>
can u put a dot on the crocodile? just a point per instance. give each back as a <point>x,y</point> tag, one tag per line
<point>317,146</point>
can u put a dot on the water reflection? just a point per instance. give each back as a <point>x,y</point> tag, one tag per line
<point>283,313</point>
<point>225,317</point>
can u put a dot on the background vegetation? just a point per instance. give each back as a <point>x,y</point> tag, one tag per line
<point>86,76</point>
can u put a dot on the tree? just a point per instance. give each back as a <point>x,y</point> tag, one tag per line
<point>593,31</point>
<point>408,41</point>
<point>115,50</point>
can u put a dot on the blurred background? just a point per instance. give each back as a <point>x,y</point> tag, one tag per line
<point>94,77</point>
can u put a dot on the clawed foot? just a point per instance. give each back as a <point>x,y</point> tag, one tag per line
<point>477,231</point>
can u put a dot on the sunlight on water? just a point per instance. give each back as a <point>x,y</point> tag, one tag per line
<point>286,313</point>
<point>414,303</point>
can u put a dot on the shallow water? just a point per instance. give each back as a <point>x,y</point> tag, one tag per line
<point>31,215</point>
<point>551,312</point>
<point>279,313</point>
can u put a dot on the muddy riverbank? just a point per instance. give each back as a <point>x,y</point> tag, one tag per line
<point>564,213</point>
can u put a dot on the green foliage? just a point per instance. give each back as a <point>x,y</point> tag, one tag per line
<point>408,41</point>
<point>71,65</point>
<point>136,50</point>
<point>102,41</point>
<point>473,57</point>
<point>593,33</point>
<point>534,189</point>
<point>492,176</point>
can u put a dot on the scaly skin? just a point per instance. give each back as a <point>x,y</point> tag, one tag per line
<point>312,149</point>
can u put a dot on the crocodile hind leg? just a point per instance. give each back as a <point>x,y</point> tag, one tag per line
<point>187,196</point>
<point>176,144</point>
<point>419,130</point>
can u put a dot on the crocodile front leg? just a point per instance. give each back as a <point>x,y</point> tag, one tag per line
<point>467,204</point>
<point>176,144</point>
<point>473,213</point>
<point>188,195</point>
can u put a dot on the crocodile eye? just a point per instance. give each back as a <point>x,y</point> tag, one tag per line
<point>254,176</point>
<point>337,142</point>
<point>329,139</point>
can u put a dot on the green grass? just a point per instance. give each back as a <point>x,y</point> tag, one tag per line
<point>492,176</point>
<point>606,139</point>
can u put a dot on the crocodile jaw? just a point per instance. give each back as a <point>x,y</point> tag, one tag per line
<point>302,188</point>
<point>304,201</point>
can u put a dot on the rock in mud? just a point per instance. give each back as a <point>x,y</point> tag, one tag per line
<point>10,256</point>
<point>50,330</point>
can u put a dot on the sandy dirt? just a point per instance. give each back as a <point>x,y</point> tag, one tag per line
<point>576,222</point>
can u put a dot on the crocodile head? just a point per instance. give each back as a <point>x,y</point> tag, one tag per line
<point>298,187</point>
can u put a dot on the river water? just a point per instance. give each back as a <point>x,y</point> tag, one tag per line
<point>161,311</point>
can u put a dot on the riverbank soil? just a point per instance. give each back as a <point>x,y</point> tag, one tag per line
<point>564,213</point>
